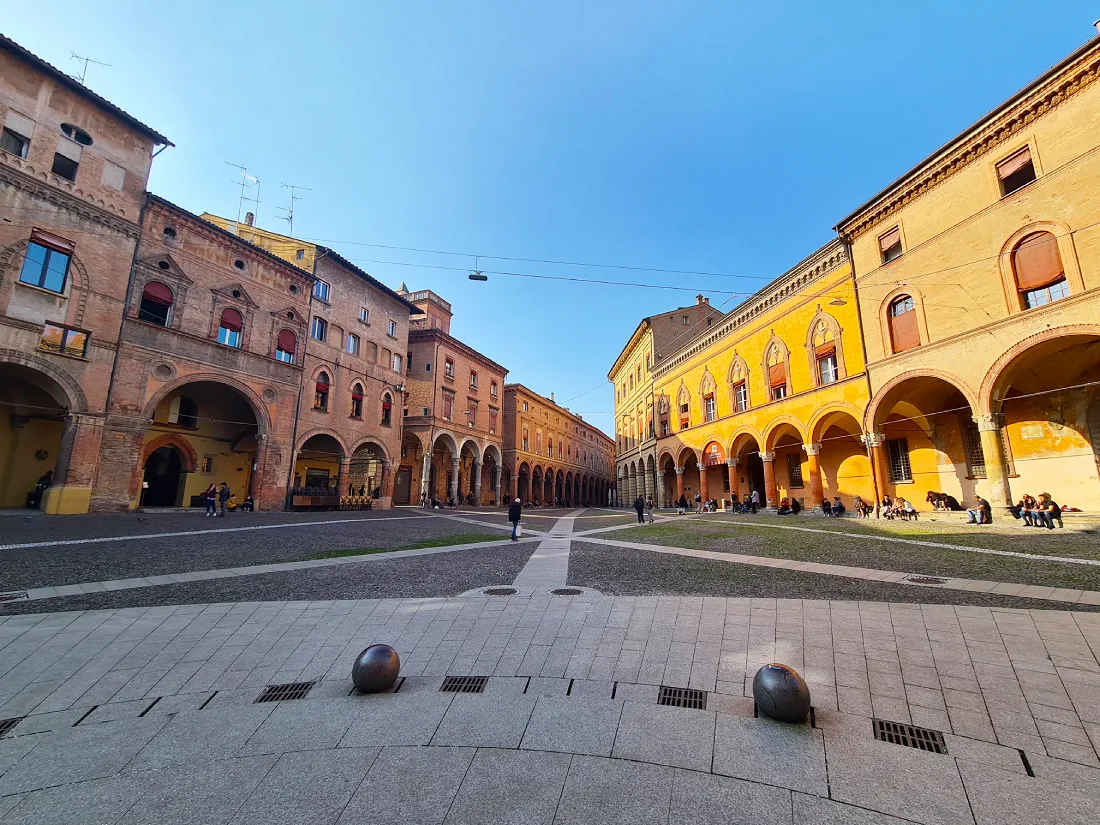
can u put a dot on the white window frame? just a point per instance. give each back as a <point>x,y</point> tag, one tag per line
<point>321,290</point>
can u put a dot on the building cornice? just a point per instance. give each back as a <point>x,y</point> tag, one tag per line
<point>534,396</point>
<point>436,334</point>
<point>1062,82</point>
<point>628,350</point>
<point>70,202</point>
<point>829,258</point>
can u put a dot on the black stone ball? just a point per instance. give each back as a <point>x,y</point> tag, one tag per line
<point>375,669</point>
<point>781,694</point>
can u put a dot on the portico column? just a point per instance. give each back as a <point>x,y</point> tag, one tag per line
<point>387,479</point>
<point>817,493</point>
<point>342,477</point>
<point>454,479</point>
<point>704,487</point>
<point>879,463</point>
<point>771,495</point>
<point>996,463</point>
<point>515,486</point>
<point>496,485</point>
<point>477,484</point>
<point>679,483</point>
<point>735,487</point>
<point>425,475</point>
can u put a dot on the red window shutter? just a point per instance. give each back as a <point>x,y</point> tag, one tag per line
<point>386,405</point>
<point>777,374</point>
<point>1014,163</point>
<point>889,239</point>
<point>231,319</point>
<point>904,334</point>
<point>356,395</point>
<point>825,350</point>
<point>52,241</point>
<point>158,293</point>
<point>287,341</point>
<point>1037,262</point>
<point>322,387</point>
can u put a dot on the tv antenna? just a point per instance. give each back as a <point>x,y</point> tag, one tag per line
<point>245,186</point>
<point>294,198</point>
<point>86,61</point>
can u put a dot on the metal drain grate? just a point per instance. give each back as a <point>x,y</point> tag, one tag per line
<point>683,697</point>
<point>14,596</point>
<point>566,591</point>
<point>910,735</point>
<point>285,692</point>
<point>7,724</point>
<point>925,580</point>
<point>464,684</point>
<point>500,591</point>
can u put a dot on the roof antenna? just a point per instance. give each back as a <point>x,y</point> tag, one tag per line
<point>243,183</point>
<point>86,61</point>
<point>289,217</point>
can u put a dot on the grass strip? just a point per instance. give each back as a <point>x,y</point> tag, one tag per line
<point>443,541</point>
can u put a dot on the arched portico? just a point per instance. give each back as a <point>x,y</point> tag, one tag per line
<point>837,462</point>
<point>784,461</point>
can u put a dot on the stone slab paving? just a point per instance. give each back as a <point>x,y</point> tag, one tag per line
<point>568,730</point>
<point>548,567</point>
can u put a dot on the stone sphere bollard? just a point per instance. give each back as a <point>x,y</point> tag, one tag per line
<point>780,693</point>
<point>375,669</point>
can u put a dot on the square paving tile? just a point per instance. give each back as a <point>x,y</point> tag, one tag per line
<point>677,737</point>
<point>197,794</point>
<point>762,750</point>
<point>570,725</point>
<point>485,721</point>
<point>613,792</point>
<point>506,787</point>
<point>411,786</point>
<point>1003,798</point>
<point>302,725</point>
<point>704,799</point>
<point>202,735</point>
<point>813,810</point>
<point>84,803</point>
<point>397,719</point>
<point>893,779</point>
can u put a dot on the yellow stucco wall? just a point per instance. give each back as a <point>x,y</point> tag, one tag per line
<point>634,399</point>
<point>19,468</point>
<point>283,246</point>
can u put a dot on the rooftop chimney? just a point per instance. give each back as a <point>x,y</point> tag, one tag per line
<point>551,398</point>
<point>249,219</point>
<point>1097,25</point>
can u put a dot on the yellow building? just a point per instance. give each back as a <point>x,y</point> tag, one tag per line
<point>770,398</point>
<point>978,274</point>
<point>299,253</point>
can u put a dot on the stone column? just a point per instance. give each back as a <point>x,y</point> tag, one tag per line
<point>817,493</point>
<point>342,477</point>
<point>477,484</point>
<point>425,475</point>
<point>679,482</point>
<point>880,465</point>
<point>454,479</point>
<point>704,486</point>
<point>76,464</point>
<point>771,495</point>
<point>496,485</point>
<point>515,487</point>
<point>735,486</point>
<point>388,479</point>
<point>996,463</point>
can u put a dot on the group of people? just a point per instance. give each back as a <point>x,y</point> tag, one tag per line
<point>898,508</point>
<point>218,499</point>
<point>943,502</point>
<point>1041,513</point>
<point>644,509</point>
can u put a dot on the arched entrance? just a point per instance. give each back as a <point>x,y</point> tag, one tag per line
<point>843,467</point>
<point>406,486</point>
<point>202,433</point>
<point>788,465</point>
<point>444,467</point>
<point>693,478</point>
<point>33,409</point>
<point>318,464</point>
<point>750,468</point>
<point>468,479</point>
<point>717,474</point>
<point>366,472</point>
<point>668,481</point>
<point>536,486</point>
<point>490,477</point>
<point>523,483</point>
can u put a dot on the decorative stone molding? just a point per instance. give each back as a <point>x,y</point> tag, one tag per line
<point>767,456</point>
<point>679,470</point>
<point>732,462</point>
<point>106,216</point>
<point>873,439</point>
<point>989,422</point>
<point>812,449</point>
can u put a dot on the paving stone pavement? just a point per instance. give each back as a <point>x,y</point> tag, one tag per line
<point>148,714</point>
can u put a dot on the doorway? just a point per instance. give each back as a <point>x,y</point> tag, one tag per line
<point>402,485</point>
<point>164,478</point>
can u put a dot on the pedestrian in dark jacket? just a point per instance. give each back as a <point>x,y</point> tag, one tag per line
<point>223,497</point>
<point>639,508</point>
<point>514,512</point>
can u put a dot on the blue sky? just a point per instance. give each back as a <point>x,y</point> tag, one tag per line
<point>725,137</point>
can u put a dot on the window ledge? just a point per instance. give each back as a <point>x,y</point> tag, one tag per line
<point>68,355</point>
<point>320,410</point>
<point>355,417</point>
<point>42,289</point>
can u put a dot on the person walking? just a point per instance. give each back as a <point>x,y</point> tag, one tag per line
<point>639,508</point>
<point>514,512</point>
<point>649,510</point>
<point>755,500</point>
<point>211,495</point>
<point>698,503</point>
<point>223,497</point>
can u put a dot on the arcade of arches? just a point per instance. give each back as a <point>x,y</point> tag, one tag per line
<point>467,474</point>
<point>540,485</point>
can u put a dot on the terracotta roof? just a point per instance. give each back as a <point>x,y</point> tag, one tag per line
<point>9,45</point>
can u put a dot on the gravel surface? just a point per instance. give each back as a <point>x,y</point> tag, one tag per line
<point>435,575</point>
<point>619,571</point>
<point>104,561</point>
<point>908,558</point>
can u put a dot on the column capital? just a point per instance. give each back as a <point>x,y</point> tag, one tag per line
<point>345,461</point>
<point>455,462</point>
<point>989,422</point>
<point>732,462</point>
<point>679,470</point>
<point>812,449</point>
<point>768,456</point>
<point>873,439</point>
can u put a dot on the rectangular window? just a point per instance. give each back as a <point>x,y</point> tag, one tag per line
<point>794,469</point>
<point>207,464</point>
<point>300,254</point>
<point>44,266</point>
<point>1016,171</point>
<point>318,479</point>
<point>65,167</point>
<point>229,336</point>
<point>492,421</point>
<point>1038,297</point>
<point>319,329</point>
<point>471,413</point>
<point>448,406</point>
<point>890,245</point>
<point>897,449</point>
<point>320,291</point>
<point>427,366</point>
<point>827,368</point>
<point>741,397</point>
<point>685,417</point>
<point>352,344</point>
<point>408,363</point>
<point>391,330</point>
<point>779,391</point>
<point>425,411</point>
<point>15,143</point>
<point>473,379</point>
<point>525,406</point>
<point>526,441</point>
<point>711,410</point>
<point>65,340</point>
<point>685,320</point>
<point>492,389</point>
<point>449,368</point>
<point>364,315</point>
<point>396,363</point>
<point>975,456</point>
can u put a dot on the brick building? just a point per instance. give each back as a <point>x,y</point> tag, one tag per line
<point>452,444</point>
<point>73,170</point>
<point>553,455</point>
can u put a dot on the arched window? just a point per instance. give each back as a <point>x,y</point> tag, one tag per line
<point>663,416</point>
<point>826,366</point>
<point>156,304</point>
<point>777,372</point>
<point>320,395</point>
<point>285,346</point>
<point>387,410</point>
<point>1040,276</point>
<point>229,331</point>
<point>684,402</point>
<point>706,392</point>
<point>739,384</point>
<point>357,401</point>
<point>902,314</point>
<point>549,447</point>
